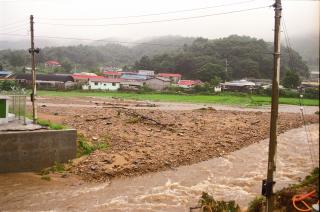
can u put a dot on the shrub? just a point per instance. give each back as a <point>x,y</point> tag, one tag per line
<point>85,148</point>
<point>311,93</point>
<point>207,203</point>
<point>256,205</point>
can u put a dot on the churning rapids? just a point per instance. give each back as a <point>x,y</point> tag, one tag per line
<point>236,176</point>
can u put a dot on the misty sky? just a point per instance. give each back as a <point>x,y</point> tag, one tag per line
<point>301,18</point>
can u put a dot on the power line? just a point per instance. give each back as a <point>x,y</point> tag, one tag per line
<point>153,14</point>
<point>154,21</point>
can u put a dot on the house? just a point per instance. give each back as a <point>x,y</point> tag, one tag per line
<point>112,74</point>
<point>134,77</point>
<point>188,83</point>
<point>174,78</point>
<point>131,84</point>
<point>102,84</point>
<point>84,77</point>
<point>158,83</point>
<point>146,72</point>
<point>5,74</point>
<point>47,81</point>
<point>238,85</point>
<point>52,64</point>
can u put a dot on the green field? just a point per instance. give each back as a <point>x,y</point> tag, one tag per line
<point>227,99</point>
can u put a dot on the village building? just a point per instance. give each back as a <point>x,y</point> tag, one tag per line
<point>174,78</point>
<point>131,84</point>
<point>47,81</point>
<point>112,74</point>
<point>52,64</point>
<point>102,84</point>
<point>84,77</point>
<point>188,83</point>
<point>158,83</point>
<point>238,85</point>
<point>134,77</point>
<point>5,74</point>
<point>149,73</point>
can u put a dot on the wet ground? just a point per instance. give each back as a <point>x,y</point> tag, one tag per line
<point>237,176</point>
<point>148,140</point>
<point>92,102</point>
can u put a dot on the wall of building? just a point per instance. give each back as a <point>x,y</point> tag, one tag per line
<point>35,150</point>
<point>101,86</point>
<point>157,84</point>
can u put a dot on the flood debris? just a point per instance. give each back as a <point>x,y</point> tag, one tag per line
<point>148,140</point>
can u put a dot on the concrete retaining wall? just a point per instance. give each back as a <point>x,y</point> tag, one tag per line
<point>35,150</point>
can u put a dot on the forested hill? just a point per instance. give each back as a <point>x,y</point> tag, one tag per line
<point>204,59</point>
<point>91,56</point>
<point>247,57</point>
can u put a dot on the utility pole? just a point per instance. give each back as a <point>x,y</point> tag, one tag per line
<point>32,50</point>
<point>267,187</point>
<point>226,65</point>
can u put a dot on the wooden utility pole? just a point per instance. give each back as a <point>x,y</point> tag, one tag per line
<point>226,65</point>
<point>267,189</point>
<point>32,50</point>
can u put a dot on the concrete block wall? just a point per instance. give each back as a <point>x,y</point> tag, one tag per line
<point>35,150</point>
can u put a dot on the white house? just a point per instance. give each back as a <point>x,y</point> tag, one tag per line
<point>102,84</point>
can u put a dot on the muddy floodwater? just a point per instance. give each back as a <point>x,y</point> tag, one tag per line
<point>236,176</point>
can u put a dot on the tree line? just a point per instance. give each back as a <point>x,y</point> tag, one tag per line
<point>233,57</point>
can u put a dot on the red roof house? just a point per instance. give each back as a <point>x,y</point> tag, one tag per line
<point>188,83</point>
<point>52,63</point>
<point>173,77</point>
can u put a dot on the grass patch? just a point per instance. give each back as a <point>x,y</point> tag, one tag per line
<point>50,125</point>
<point>223,98</point>
<point>86,148</point>
<point>56,168</point>
<point>257,204</point>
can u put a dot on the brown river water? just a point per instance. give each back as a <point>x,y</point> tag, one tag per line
<point>236,176</point>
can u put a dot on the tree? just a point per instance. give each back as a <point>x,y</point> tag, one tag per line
<point>144,64</point>
<point>291,79</point>
<point>212,71</point>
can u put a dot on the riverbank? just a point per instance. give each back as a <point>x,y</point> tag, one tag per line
<point>236,176</point>
<point>139,141</point>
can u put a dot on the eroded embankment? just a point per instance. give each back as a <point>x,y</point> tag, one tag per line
<point>142,141</point>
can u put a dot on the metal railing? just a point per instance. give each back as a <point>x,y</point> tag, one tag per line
<point>17,107</point>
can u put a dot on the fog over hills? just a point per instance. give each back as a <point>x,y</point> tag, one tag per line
<point>307,46</point>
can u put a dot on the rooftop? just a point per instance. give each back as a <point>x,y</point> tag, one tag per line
<point>106,80</point>
<point>117,73</point>
<point>188,82</point>
<point>169,75</point>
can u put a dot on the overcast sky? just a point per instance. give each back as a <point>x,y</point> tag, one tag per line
<point>301,18</point>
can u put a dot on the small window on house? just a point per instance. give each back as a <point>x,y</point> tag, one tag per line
<point>113,84</point>
<point>95,83</point>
